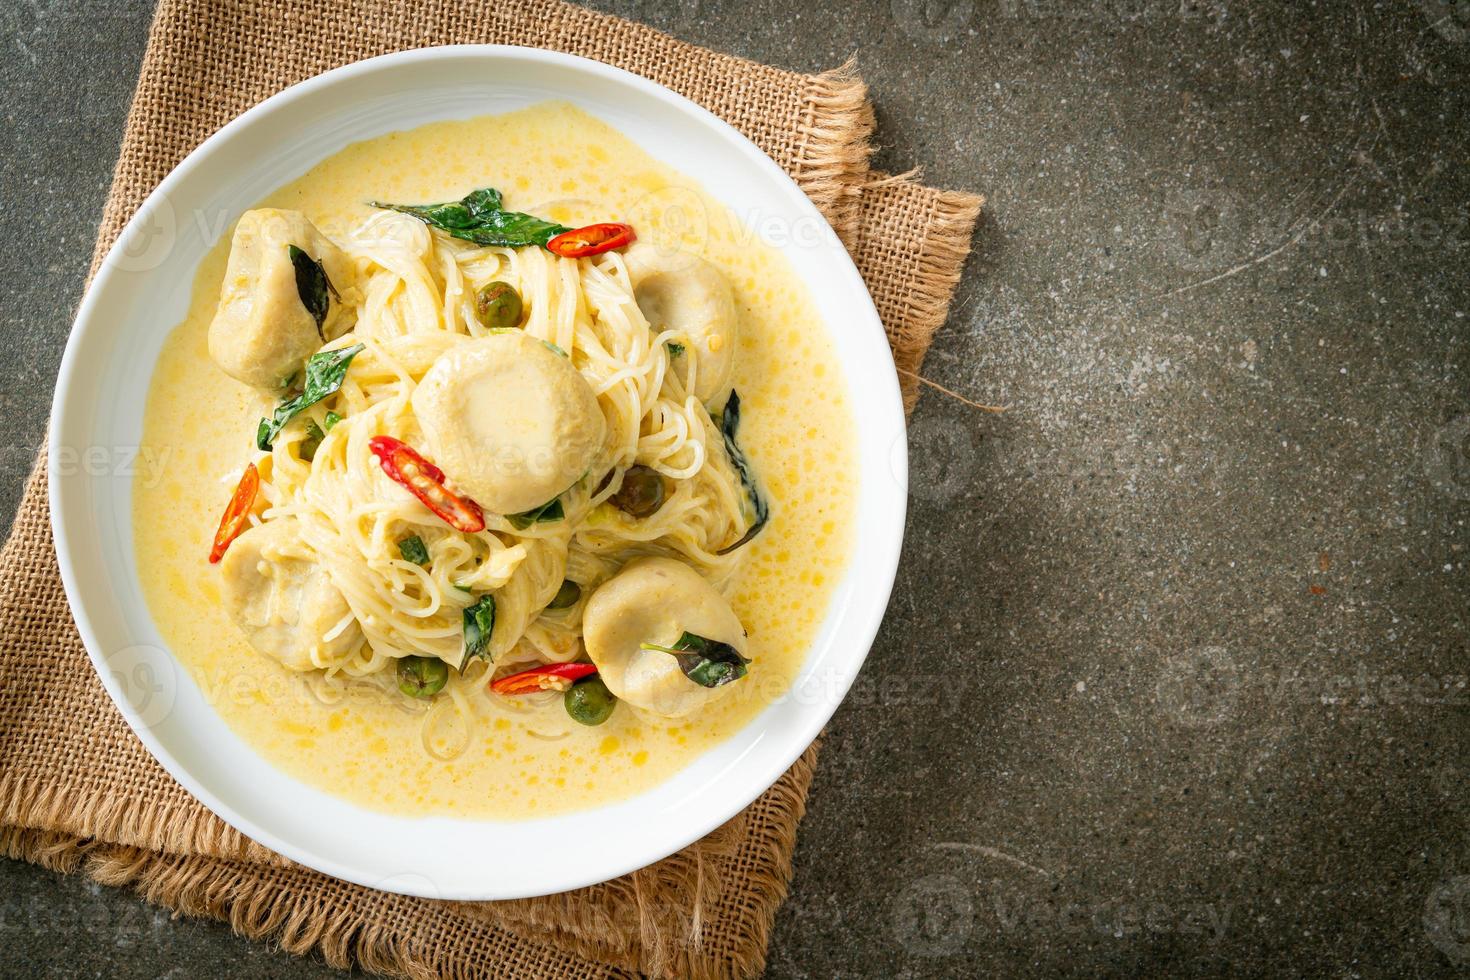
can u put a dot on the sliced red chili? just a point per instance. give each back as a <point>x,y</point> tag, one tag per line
<point>424,480</point>
<point>550,677</point>
<point>237,514</point>
<point>592,240</point>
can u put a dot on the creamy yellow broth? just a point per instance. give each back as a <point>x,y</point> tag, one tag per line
<point>556,161</point>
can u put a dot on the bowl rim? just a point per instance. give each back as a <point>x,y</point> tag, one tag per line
<point>88,325</point>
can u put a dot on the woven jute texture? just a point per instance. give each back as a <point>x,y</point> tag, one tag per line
<point>79,793</point>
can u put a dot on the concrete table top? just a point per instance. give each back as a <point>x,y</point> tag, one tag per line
<point>1174,681</point>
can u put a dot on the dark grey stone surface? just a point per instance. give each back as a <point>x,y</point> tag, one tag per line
<point>1174,679</point>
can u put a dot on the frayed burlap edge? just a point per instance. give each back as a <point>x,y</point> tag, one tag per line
<point>948,231</point>
<point>361,931</point>
<point>832,156</point>
<point>115,818</point>
<point>689,954</point>
<point>87,808</point>
<point>954,217</point>
<point>258,905</point>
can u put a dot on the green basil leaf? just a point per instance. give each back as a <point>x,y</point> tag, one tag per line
<point>332,418</point>
<point>729,422</point>
<point>412,549</point>
<point>313,440</point>
<point>313,286</point>
<point>479,217</point>
<point>706,662</point>
<point>675,348</point>
<point>545,514</point>
<point>479,622</point>
<point>325,372</point>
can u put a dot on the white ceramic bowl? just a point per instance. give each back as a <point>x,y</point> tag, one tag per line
<point>142,291</point>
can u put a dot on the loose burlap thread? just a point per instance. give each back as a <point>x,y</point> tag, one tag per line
<point>77,789</point>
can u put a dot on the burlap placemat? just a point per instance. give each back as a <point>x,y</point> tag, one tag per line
<point>79,792</point>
